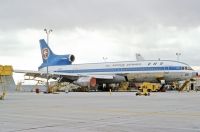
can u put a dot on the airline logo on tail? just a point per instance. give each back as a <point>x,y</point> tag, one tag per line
<point>45,53</point>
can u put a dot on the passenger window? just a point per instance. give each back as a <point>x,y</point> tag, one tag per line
<point>186,74</point>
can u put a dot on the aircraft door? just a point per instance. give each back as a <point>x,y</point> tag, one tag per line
<point>166,72</point>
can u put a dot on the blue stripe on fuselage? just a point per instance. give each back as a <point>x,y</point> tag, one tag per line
<point>123,69</point>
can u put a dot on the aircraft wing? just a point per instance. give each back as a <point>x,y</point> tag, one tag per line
<point>42,74</point>
<point>31,73</point>
<point>97,76</point>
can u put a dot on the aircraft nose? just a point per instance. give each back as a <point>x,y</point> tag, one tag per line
<point>195,74</point>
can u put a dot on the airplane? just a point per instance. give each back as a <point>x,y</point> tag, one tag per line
<point>60,67</point>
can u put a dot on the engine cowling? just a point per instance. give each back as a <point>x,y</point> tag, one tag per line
<point>86,82</point>
<point>118,78</point>
<point>71,58</point>
<point>63,59</point>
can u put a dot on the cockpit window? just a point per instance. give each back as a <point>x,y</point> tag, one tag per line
<point>186,68</point>
<point>189,68</point>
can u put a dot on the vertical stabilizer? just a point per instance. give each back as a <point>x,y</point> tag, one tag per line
<point>139,57</point>
<point>51,59</point>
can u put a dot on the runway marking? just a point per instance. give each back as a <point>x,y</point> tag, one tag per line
<point>33,128</point>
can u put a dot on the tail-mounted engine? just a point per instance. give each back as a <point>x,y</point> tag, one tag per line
<point>63,59</point>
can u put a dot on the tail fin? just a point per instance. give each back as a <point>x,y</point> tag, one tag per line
<point>51,59</point>
<point>139,57</point>
<point>45,51</point>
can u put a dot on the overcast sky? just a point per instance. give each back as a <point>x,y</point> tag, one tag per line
<point>92,29</point>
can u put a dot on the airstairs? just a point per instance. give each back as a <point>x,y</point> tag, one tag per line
<point>184,87</point>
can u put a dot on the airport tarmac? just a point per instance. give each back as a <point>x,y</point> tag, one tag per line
<point>100,112</point>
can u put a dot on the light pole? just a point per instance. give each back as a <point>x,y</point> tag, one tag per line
<point>48,31</point>
<point>178,56</point>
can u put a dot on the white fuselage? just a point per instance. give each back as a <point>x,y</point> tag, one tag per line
<point>138,71</point>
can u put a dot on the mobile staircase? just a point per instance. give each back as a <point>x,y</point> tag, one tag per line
<point>184,87</point>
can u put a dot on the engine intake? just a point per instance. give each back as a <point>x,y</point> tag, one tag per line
<point>71,58</point>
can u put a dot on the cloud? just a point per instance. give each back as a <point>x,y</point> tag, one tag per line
<point>64,14</point>
<point>90,45</point>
